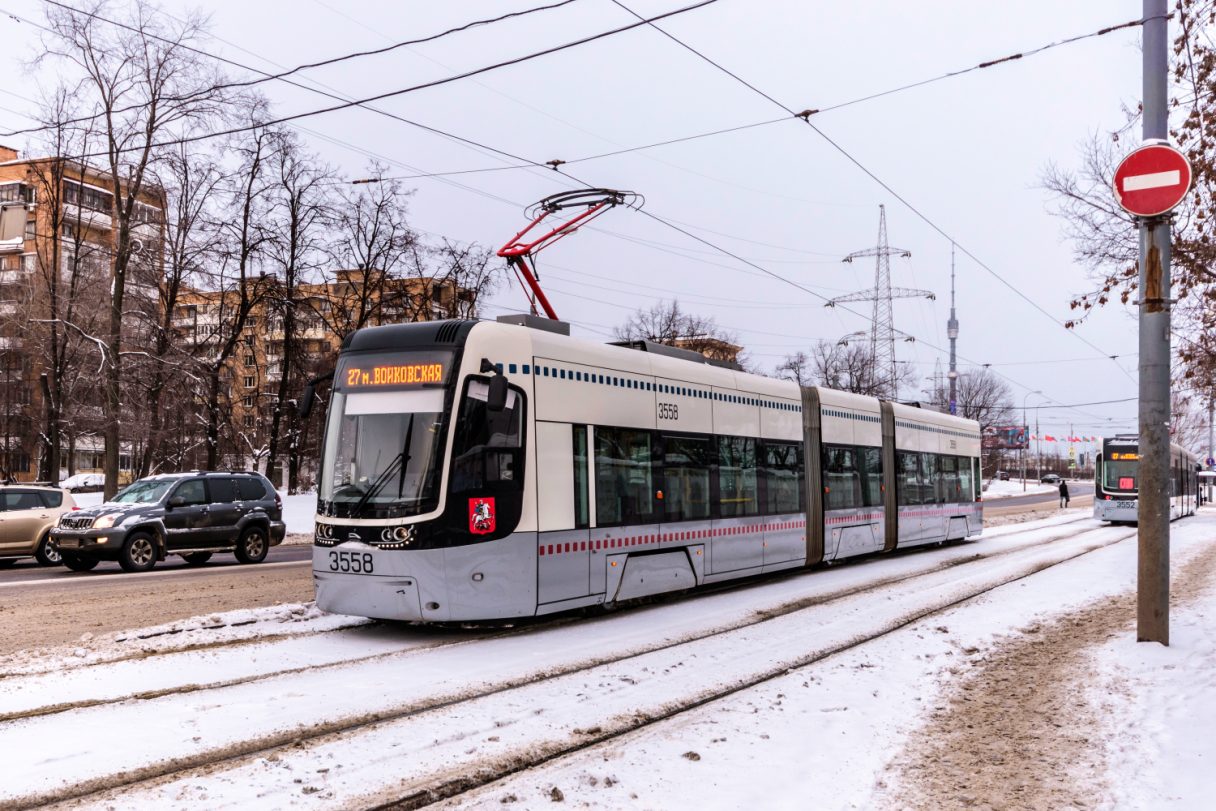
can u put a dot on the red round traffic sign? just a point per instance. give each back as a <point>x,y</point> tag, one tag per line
<point>1152,180</point>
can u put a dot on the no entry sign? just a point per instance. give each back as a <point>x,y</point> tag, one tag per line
<point>1152,180</point>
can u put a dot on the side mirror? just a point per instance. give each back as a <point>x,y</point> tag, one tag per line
<point>496,398</point>
<point>305,406</point>
<point>177,501</point>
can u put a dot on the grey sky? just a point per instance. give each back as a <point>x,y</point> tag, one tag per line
<point>968,152</point>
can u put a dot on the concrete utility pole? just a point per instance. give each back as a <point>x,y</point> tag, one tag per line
<point>1153,570</point>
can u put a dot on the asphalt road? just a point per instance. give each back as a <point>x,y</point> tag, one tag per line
<point>1078,492</point>
<point>28,570</point>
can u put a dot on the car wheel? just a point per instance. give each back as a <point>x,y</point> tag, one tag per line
<point>78,564</point>
<point>253,546</point>
<point>47,552</point>
<point>196,558</point>
<point>138,553</point>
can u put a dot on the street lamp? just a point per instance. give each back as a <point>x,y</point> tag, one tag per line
<point>1022,451</point>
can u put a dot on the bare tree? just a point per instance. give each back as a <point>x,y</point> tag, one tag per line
<point>1105,237</point>
<point>301,210</point>
<point>667,323</point>
<point>240,287</point>
<point>191,180</point>
<point>142,83</point>
<point>373,242</point>
<point>843,367</point>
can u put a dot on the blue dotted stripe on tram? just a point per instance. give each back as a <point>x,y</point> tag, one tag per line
<point>595,378</point>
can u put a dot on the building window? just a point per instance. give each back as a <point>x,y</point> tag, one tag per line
<point>250,381</point>
<point>248,402</point>
<point>75,194</point>
<point>31,228</point>
<point>248,340</point>
<point>249,420</point>
<point>250,360</point>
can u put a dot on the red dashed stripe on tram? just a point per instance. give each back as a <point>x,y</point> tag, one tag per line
<point>598,544</point>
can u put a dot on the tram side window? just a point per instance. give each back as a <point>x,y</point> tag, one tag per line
<point>737,477</point>
<point>872,476</point>
<point>686,468</point>
<point>582,509</point>
<point>907,478</point>
<point>841,478</point>
<point>624,485</point>
<point>930,479</point>
<point>965,486</point>
<point>783,477</point>
<point>485,448</point>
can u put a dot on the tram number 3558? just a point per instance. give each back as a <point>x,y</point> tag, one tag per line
<point>669,411</point>
<point>353,562</point>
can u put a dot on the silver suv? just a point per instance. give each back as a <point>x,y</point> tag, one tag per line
<point>26,517</point>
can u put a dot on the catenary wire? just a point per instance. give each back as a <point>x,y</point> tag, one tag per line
<point>417,87</point>
<point>266,77</point>
<point>806,116</point>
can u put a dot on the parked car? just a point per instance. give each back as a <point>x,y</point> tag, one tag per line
<point>1049,478</point>
<point>193,515</point>
<point>27,515</point>
<point>84,483</point>
<point>1001,475</point>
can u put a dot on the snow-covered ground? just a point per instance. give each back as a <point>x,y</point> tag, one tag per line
<point>794,692</point>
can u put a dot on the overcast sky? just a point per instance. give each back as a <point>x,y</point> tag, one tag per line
<point>968,152</point>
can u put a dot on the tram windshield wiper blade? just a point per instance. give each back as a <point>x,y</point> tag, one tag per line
<point>405,455</point>
<point>398,463</point>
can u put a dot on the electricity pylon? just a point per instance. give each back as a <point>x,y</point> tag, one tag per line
<point>882,325</point>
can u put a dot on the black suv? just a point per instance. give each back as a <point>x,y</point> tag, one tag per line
<point>189,514</point>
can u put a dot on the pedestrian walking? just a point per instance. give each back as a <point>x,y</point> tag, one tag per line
<point>1063,494</point>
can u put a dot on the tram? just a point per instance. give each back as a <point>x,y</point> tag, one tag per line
<point>491,470</point>
<point>1116,476</point>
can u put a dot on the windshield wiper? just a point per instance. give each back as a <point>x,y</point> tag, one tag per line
<point>405,455</point>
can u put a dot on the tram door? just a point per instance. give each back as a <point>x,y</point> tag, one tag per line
<point>563,554</point>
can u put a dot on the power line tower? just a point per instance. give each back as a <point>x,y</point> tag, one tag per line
<point>882,324</point>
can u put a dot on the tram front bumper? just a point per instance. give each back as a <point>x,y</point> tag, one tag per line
<point>382,597</point>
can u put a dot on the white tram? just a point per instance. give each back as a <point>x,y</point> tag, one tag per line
<point>1116,480</point>
<point>476,470</point>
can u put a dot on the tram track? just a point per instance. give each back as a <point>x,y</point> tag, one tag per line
<point>538,626</point>
<point>435,787</point>
<point>485,774</point>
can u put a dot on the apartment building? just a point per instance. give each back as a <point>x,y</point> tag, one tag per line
<point>56,245</point>
<point>324,313</point>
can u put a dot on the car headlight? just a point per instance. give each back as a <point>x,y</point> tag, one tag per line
<point>105,521</point>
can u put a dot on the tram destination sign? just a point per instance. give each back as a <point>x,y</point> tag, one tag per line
<point>1152,180</point>
<point>392,374</point>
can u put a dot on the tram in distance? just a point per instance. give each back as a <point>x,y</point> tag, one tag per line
<point>1116,480</point>
<point>485,471</point>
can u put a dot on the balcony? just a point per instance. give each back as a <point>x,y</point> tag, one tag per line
<point>87,217</point>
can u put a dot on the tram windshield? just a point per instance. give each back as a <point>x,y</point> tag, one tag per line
<point>1120,474</point>
<point>383,442</point>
